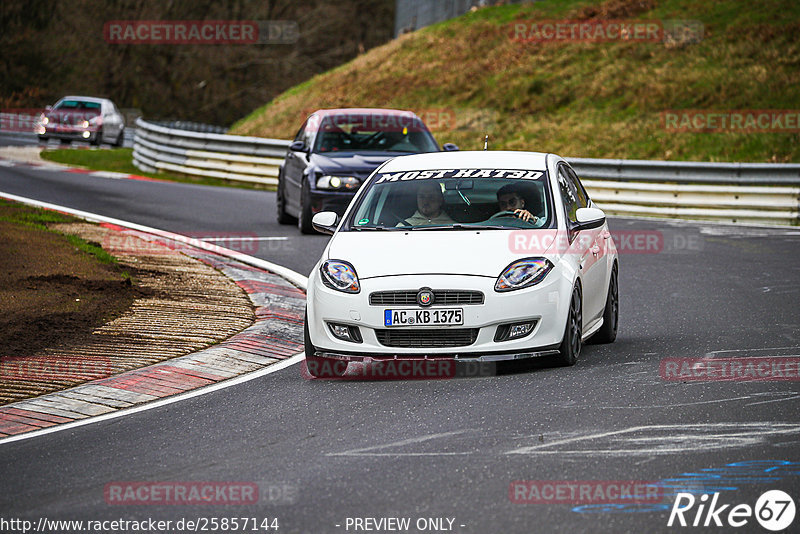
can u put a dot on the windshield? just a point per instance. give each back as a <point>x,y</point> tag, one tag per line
<point>373,132</point>
<point>78,105</point>
<point>462,199</point>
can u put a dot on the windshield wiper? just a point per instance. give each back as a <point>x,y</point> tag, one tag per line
<point>458,226</point>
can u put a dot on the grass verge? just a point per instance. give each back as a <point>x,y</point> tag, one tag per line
<point>579,99</point>
<point>15,213</point>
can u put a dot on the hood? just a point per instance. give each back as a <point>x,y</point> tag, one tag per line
<point>359,165</point>
<point>71,116</point>
<point>375,253</point>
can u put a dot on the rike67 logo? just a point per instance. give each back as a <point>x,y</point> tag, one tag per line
<point>774,510</point>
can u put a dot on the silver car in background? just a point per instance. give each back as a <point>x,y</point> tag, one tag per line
<point>82,118</point>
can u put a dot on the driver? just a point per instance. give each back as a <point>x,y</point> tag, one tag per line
<point>429,207</point>
<point>510,199</point>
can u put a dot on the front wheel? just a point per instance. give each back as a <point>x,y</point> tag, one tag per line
<point>98,139</point>
<point>280,204</point>
<point>570,347</point>
<point>304,221</point>
<point>608,332</point>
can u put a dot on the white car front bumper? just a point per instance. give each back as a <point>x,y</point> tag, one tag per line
<point>545,303</point>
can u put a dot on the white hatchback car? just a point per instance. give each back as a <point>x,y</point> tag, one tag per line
<point>484,255</point>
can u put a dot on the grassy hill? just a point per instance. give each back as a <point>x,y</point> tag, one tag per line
<point>583,99</point>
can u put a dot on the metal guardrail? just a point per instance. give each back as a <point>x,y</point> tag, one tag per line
<point>733,192</point>
<point>230,157</point>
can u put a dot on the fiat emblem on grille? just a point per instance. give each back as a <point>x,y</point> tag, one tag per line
<point>425,296</point>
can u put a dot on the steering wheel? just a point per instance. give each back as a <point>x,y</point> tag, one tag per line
<point>501,214</point>
<point>371,139</point>
<point>397,219</point>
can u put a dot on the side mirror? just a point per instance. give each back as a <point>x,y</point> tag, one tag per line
<point>298,146</point>
<point>325,222</point>
<point>48,108</point>
<point>450,147</point>
<point>589,218</point>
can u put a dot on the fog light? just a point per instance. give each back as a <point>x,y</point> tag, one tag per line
<point>86,135</point>
<point>345,332</point>
<point>510,331</point>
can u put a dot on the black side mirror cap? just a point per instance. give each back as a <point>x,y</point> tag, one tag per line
<point>450,147</point>
<point>298,146</point>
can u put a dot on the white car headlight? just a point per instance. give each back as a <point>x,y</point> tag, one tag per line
<point>340,275</point>
<point>523,273</point>
<point>45,120</point>
<point>338,182</point>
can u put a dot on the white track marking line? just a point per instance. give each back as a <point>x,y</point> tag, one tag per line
<point>401,443</point>
<point>292,276</point>
<point>245,238</point>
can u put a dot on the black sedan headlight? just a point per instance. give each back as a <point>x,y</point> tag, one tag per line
<point>346,183</point>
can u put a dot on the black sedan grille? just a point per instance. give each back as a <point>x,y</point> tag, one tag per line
<point>441,297</point>
<point>427,338</point>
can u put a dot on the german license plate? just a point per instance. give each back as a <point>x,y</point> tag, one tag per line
<point>435,317</point>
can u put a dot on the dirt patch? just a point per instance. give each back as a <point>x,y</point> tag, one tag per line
<point>52,293</point>
<point>67,318</point>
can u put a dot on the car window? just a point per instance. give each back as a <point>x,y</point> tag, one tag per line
<point>373,133</point>
<point>572,193</point>
<point>301,133</point>
<point>78,105</point>
<point>454,199</point>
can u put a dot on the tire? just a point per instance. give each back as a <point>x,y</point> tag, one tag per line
<point>98,139</point>
<point>43,139</point>
<point>320,367</point>
<point>304,220</point>
<point>570,347</point>
<point>65,141</point>
<point>608,332</point>
<point>280,204</point>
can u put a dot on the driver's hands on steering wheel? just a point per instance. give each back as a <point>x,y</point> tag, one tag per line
<point>525,215</point>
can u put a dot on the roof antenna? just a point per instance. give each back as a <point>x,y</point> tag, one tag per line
<point>486,142</point>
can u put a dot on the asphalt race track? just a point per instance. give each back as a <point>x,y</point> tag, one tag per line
<point>325,451</point>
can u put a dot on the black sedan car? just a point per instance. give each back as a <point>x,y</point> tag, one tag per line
<point>336,150</point>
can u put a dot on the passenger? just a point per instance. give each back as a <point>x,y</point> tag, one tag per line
<point>429,207</point>
<point>509,198</point>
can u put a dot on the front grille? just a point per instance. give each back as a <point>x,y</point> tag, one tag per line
<point>441,297</point>
<point>427,338</point>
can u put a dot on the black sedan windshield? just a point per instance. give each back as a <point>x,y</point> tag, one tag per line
<point>379,133</point>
